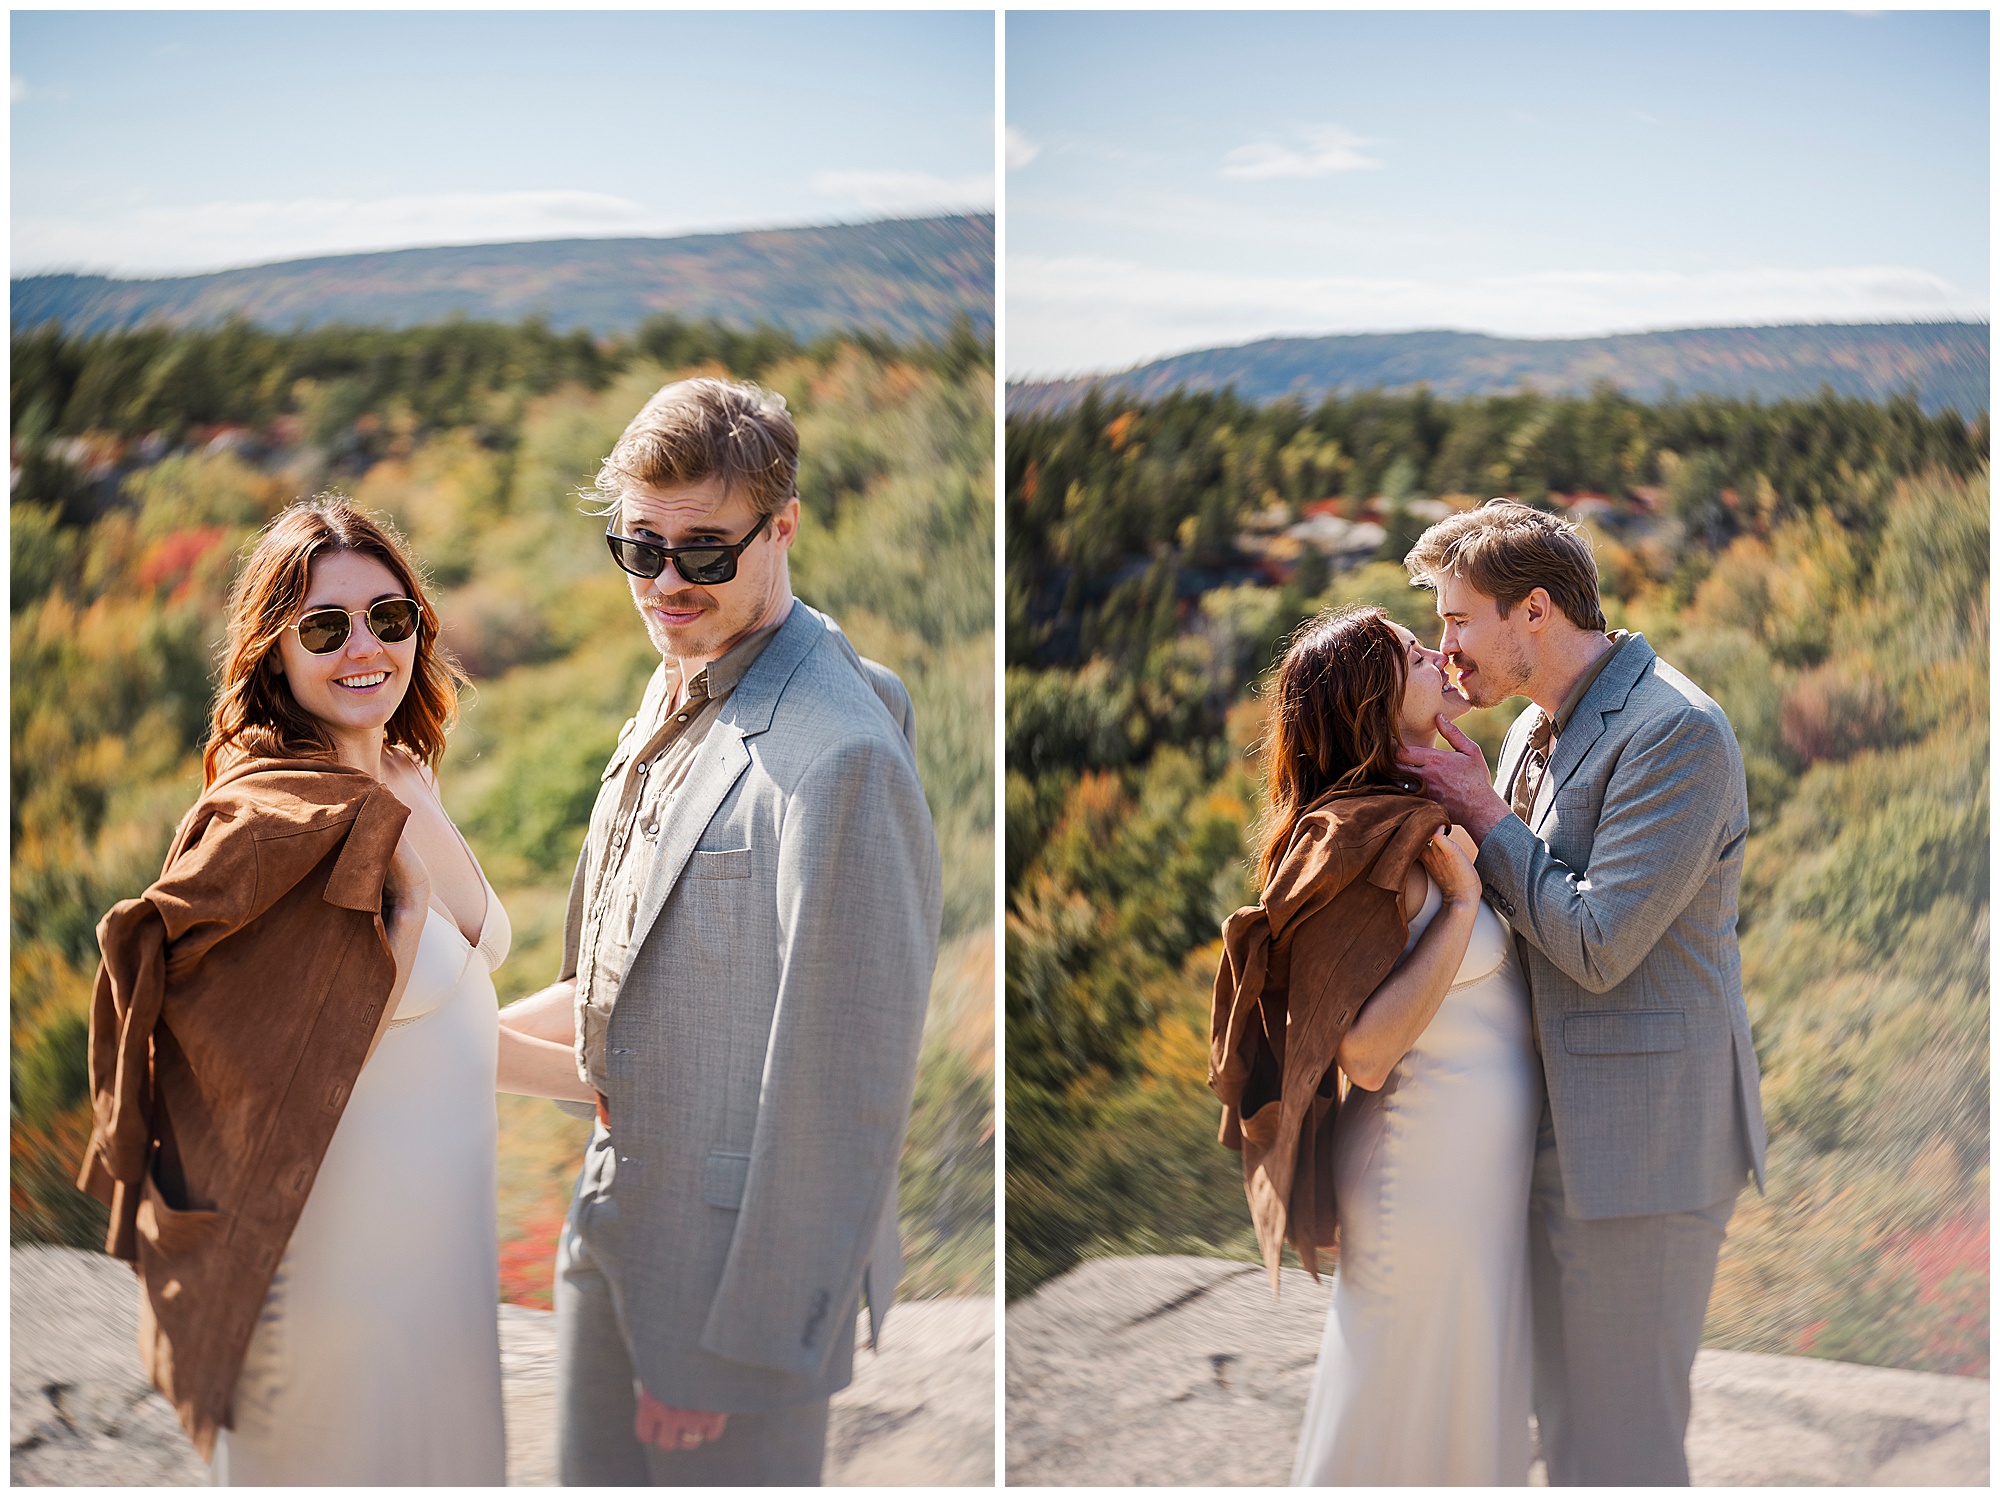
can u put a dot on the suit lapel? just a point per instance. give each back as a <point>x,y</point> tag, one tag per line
<point>719,762</point>
<point>1607,695</point>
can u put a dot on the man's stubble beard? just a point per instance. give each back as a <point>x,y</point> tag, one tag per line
<point>657,631</point>
<point>1490,688</point>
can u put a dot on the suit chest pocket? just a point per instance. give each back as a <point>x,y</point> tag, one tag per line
<point>1646,1031</point>
<point>733,862</point>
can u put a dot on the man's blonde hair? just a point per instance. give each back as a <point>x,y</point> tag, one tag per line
<point>1507,550</point>
<point>695,429</point>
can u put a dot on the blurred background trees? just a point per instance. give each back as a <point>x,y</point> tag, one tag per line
<point>144,462</point>
<point>1820,567</point>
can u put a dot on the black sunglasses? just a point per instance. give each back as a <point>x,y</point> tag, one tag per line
<point>324,630</point>
<point>702,566</point>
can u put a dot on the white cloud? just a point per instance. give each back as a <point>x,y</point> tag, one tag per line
<point>1020,149</point>
<point>1080,314</point>
<point>208,236</point>
<point>905,192</point>
<point>17,88</point>
<point>1326,149</point>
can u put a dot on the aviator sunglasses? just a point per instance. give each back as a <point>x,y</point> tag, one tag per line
<point>701,566</point>
<point>324,630</point>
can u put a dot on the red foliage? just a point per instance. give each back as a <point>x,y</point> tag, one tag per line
<point>171,559</point>
<point>1950,1263</point>
<point>1935,1255</point>
<point>528,1263</point>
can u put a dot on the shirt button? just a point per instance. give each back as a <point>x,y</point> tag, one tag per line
<point>682,718</point>
<point>644,767</point>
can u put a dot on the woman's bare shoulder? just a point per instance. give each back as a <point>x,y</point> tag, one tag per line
<point>1416,889</point>
<point>400,763</point>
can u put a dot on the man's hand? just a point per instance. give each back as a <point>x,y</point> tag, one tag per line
<point>1457,779</point>
<point>675,1429</point>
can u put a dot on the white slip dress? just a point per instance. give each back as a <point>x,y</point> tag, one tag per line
<point>376,1361</point>
<point>1425,1372</point>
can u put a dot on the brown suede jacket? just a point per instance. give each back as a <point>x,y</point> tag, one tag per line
<point>235,1004</point>
<point>1295,971</point>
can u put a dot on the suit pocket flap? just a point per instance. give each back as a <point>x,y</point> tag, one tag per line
<point>1641,1032</point>
<point>733,863</point>
<point>722,1179</point>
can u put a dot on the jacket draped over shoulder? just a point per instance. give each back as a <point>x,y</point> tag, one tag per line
<point>234,1006</point>
<point>1295,970</point>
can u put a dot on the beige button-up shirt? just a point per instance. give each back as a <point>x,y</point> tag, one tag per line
<point>625,829</point>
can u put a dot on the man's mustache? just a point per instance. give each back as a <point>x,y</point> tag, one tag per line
<point>680,602</point>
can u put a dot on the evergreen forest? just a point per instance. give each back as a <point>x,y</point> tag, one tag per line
<point>144,463</point>
<point>1819,566</point>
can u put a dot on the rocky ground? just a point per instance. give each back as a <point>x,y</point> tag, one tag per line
<point>1184,1372</point>
<point>918,1414</point>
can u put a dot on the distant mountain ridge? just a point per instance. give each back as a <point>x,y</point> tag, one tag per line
<point>907,278</point>
<point>1947,364</point>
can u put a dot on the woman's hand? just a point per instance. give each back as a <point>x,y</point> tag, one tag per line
<point>1445,861</point>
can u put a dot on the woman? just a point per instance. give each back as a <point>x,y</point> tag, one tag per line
<point>293,1048</point>
<point>1423,1166</point>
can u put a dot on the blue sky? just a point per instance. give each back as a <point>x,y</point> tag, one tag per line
<point>159,141</point>
<point>1181,180</point>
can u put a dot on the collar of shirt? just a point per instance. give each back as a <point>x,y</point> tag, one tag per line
<point>720,676</point>
<point>1584,682</point>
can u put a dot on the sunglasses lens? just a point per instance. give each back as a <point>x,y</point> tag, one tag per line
<point>706,568</point>
<point>636,557</point>
<point>323,631</point>
<point>393,620</point>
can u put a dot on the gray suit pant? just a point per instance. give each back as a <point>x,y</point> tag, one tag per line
<point>596,1405</point>
<point>1618,1311</point>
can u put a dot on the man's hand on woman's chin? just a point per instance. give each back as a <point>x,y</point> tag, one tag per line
<point>1457,779</point>
<point>675,1429</point>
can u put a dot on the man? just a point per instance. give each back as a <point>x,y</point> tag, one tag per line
<point>746,962</point>
<point>1612,841</point>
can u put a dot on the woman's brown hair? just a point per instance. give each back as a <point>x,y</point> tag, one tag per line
<point>1334,710</point>
<point>254,710</point>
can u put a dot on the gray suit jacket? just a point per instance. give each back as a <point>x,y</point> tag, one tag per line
<point>1623,889</point>
<point>763,1048</point>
